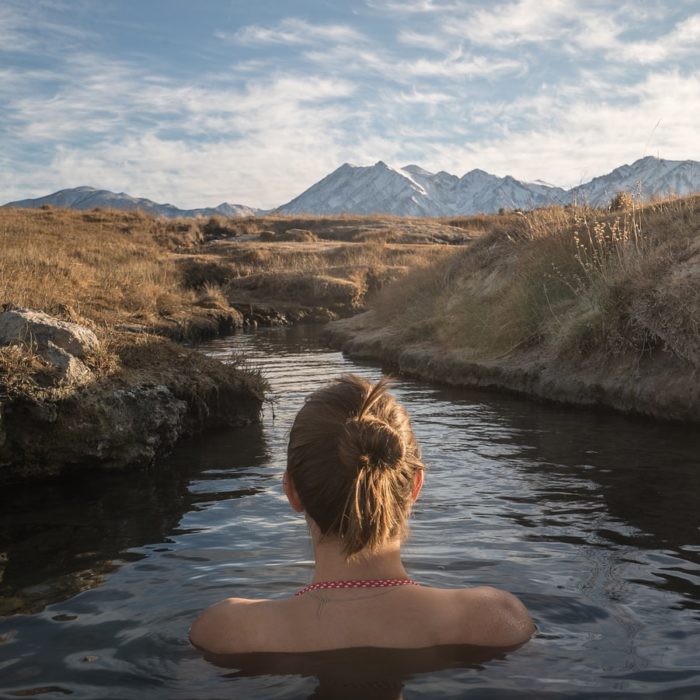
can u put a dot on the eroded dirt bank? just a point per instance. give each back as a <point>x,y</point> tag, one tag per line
<point>67,403</point>
<point>662,389</point>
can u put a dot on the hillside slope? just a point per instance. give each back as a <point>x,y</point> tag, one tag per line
<point>565,304</point>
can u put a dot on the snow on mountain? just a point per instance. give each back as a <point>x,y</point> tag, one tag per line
<point>645,178</point>
<point>364,190</point>
<point>226,209</point>
<point>414,191</point>
<point>89,198</point>
<point>483,192</point>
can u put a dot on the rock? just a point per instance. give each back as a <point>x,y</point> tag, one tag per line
<point>106,426</point>
<point>61,344</point>
<point>44,331</point>
<point>65,368</point>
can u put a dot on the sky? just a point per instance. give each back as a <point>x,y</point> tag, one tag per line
<point>197,102</point>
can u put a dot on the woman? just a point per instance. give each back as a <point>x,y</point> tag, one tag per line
<point>354,469</point>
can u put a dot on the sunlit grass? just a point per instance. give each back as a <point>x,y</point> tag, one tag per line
<point>573,280</point>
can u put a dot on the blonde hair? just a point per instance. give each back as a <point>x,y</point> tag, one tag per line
<point>353,458</point>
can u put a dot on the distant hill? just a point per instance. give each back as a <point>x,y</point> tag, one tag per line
<point>646,177</point>
<point>413,191</point>
<point>90,198</point>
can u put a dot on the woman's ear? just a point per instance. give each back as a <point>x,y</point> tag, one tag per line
<point>417,485</point>
<point>291,493</point>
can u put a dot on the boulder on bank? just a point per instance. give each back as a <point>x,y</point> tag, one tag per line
<point>24,326</point>
<point>60,344</point>
<point>154,393</point>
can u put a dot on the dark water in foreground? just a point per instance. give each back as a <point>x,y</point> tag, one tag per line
<point>593,519</point>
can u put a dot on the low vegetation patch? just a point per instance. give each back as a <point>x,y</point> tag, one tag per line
<point>339,277</point>
<point>110,268</point>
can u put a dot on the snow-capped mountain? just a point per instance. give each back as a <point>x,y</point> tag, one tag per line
<point>89,198</point>
<point>413,191</point>
<point>645,178</point>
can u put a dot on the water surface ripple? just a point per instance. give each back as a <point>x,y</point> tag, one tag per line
<point>592,518</point>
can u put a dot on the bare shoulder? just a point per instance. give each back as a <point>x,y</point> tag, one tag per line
<point>226,627</point>
<point>492,617</point>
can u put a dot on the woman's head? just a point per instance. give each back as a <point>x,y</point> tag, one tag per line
<point>354,462</point>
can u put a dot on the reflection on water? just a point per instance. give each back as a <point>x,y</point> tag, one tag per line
<point>367,673</point>
<point>592,518</point>
<point>61,538</point>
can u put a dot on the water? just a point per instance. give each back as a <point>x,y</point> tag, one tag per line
<point>591,518</point>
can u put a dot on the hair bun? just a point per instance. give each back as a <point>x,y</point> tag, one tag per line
<point>375,443</point>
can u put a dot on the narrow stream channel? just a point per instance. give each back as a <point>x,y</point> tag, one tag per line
<point>592,518</point>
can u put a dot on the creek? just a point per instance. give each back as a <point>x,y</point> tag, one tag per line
<point>591,518</point>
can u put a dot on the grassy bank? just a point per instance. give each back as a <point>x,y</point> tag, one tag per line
<point>578,304</point>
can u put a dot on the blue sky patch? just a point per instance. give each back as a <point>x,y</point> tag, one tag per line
<point>252,102</point>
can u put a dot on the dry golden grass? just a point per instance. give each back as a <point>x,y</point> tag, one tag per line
<point>18,369</point>
<point>107,268</point>
<point>321,273</point>
<point>574,280</point>
<point>340,228</point>
<point>103,266</point>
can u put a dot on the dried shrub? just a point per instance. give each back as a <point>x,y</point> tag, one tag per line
<point>622,201</point>
<point>219,227</point>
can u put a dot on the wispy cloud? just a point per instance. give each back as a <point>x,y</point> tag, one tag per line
<point>380,63</point>
<point>420,97</point>
<point>295,32</point>
<point>25,28</point>
<point>600,135</point>
<point>414,6</point>
<point>425,40</point>
<point>575,26</point>
<point>461,66</point>
<point>522,21</point>
<point>136,130</point>
<point>682,40</point>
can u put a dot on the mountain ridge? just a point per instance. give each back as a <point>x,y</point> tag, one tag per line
<point>414,191</point>
<point>85,197</point>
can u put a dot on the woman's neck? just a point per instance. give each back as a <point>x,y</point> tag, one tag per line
<point>331,564</point>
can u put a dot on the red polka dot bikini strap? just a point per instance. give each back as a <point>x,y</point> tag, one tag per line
<point>358,583</point>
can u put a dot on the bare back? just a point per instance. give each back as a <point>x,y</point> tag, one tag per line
<point>398,618</point>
